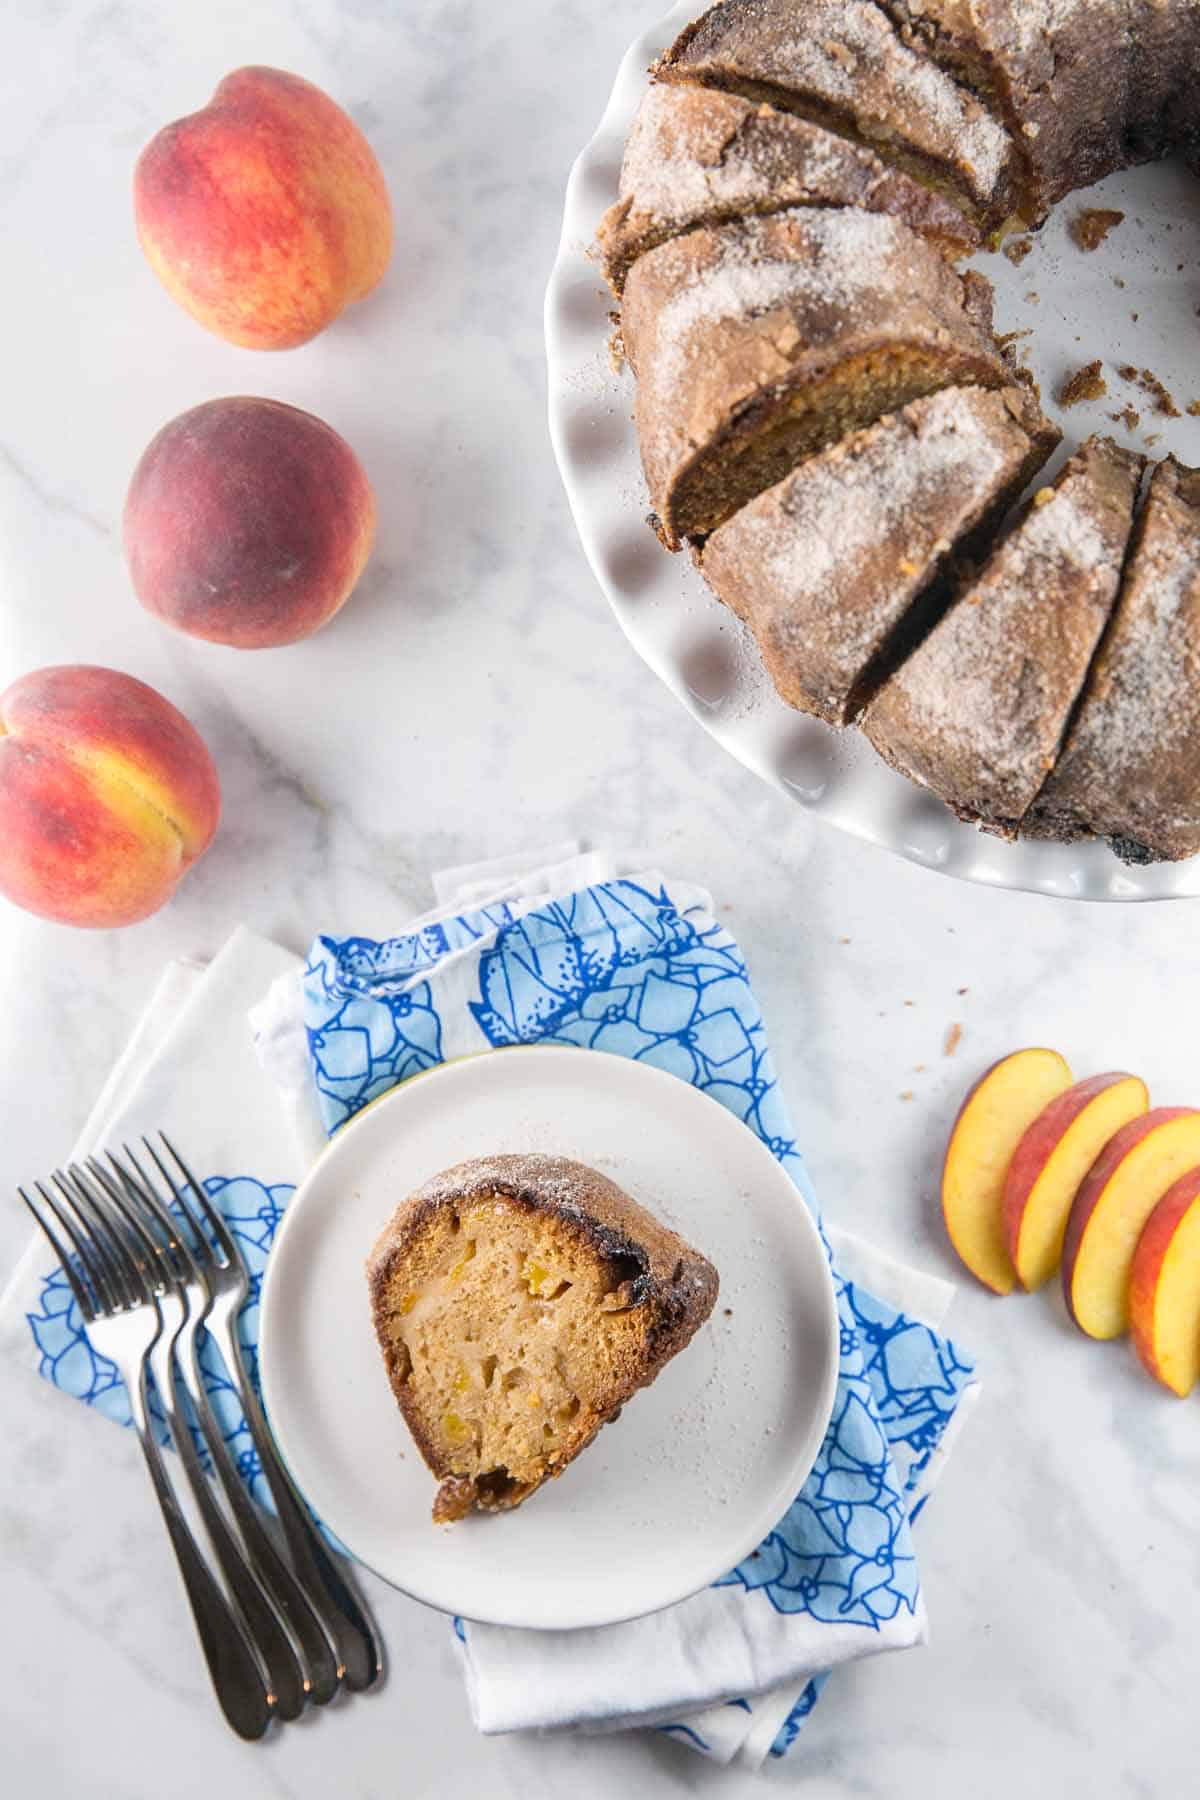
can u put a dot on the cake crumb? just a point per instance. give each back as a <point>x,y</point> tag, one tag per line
<point>1151,438</point>
<point>1117,282</point>
<point>918,1068</point>
<point>1044,496</point>
<point>1092,224</point>
<point>1194,409</point>
<point>907,1094</point>
<point>1017,249</point>
<point>729,1312</point>
<point>1150,384</point>
<point>909,1003</point>
<point>1033,297</point>
<point>953,1039</point>
<point>1085,384</point>
<point>843,940</point>
<point>1129,416</point>
<point>964,990</point>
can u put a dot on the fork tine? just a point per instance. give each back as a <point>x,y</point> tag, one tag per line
<point>143,1193</point>
<point>220,1229</point>
<point>159,1267</point>
<point>88,1305</point>
<point>104,1252</point>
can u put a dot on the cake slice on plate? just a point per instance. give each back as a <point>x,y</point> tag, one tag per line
<point>979,711</point>
<point>519,1302</point>
<point>844,64</point>
<point>696,156</point>
<point>757,344</point>
<point>841,565</point>
<point>1130,769</point>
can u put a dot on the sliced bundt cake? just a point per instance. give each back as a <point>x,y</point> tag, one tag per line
<point>836,569</point>
<point>1060,73</point>
<point>1130,768</point>
<point>978,713</point>
<point>759,343</point>
<point>696,156</point>
<point>843,63</point>
<point>519,1302</point>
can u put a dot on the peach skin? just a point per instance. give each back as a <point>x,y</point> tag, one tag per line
<point>1164,1288</point>
<point>247,523</point>
<point>265,214</point>
<point>1118,1194</point>
<point>107,795</point>
<point>1052,1159</point>
<point>993,1118</point>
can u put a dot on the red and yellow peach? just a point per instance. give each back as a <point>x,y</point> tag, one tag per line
<point>107,795</point>
<point>265,214</point>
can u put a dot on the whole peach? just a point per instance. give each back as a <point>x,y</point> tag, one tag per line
<point>107,795</point>
<point>247,523</point>
<point>265,214</point>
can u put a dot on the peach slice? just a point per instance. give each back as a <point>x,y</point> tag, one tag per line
<point>991,1123</point>
<point>1052,1159</point>
<point>1115,1198</point>
<point>1164,1288</point>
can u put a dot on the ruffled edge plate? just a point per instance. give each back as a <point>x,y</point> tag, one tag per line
<point>695,645</point>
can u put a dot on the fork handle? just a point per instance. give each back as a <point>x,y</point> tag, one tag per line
<point>237,1678</point>
<point>342,1613</point>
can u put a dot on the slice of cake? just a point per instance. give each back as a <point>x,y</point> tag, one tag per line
<point>519,1302</point>
<point>844,64</point>
<point>695,156</point>
<point>1130,769</point>
<point>837,568</point>
<point>979,711</point>
<point>1064,75</point>
<point>757,344</point>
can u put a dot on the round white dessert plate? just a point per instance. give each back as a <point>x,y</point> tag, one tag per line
<point>1127,303</point>
<point>699,1467</point>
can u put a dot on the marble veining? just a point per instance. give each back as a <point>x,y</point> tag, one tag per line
<point>477,696</point>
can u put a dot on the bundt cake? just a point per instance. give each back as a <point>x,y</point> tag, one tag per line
<point>826,415</point>
<point>837,567</point>
<point>1130,768</point>
<point>978,712</point>
<point>843,63</point>
<point>519,1302</point>
<point>696,156</point>
<point>756,344</point>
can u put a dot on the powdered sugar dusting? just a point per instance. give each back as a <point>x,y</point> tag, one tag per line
<point>1026,631</point>
<point>848,54</point>
<point>811,547</point>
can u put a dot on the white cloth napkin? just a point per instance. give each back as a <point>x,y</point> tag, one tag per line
<point>728,1672</point>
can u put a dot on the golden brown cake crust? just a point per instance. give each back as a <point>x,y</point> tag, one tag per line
<point>840,316</point>
<point>696,156</point>
<point>1130,769</point>
<point>654,1290</point>
<point>843,62</point>
<point>978,713</point>
<point>834,566</point>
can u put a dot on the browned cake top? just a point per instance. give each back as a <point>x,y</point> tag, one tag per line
<point>978,712</point>
<point>716,317</point>
<point>696,156</point>
<point>845,59</point>
<point>826,564</point>
<point>1130,770</point>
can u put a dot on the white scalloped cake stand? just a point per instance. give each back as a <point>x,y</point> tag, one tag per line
<point>705,656</point>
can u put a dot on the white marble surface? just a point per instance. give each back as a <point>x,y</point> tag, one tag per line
<point>475,696</point>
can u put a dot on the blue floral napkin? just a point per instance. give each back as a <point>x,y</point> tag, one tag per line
<point>625,963</point>
<point>641,968</point>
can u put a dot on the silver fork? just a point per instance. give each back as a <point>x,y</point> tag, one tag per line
<point>263,1623</point>
<point>320,1664</point>
<point>121,1316</point>
<point>223,1270</point>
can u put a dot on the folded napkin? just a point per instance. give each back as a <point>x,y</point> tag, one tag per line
<point>577,951</point>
